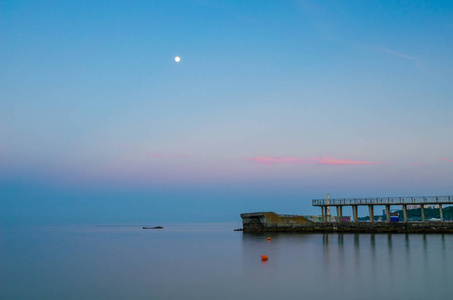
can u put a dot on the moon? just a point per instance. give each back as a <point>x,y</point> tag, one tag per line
<point>177,59</point>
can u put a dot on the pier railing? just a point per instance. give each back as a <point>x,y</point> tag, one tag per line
<point>418,200</point>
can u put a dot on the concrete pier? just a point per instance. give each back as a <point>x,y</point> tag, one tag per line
<point>386,201</point>
<point>269,221</point>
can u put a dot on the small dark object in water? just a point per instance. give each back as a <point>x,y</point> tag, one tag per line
<point>157,227</point>
<point>239,229</point>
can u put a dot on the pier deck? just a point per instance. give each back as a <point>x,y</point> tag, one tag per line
<point>339,203</point>
<point>417,200</point>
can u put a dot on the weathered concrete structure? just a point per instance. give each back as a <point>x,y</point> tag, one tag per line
<point>266,221</point>
<point>270,221</point>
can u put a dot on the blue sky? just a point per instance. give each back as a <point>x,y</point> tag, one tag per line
<point>272,104</point>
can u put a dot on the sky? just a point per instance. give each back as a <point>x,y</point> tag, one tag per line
<point>273,104</point>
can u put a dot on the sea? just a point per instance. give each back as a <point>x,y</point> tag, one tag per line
<point>212,261</point>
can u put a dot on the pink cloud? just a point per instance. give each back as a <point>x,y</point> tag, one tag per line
<point>446,159</point>
<point>167,155</point>
<point>269,160</point>
<point>336,161</point>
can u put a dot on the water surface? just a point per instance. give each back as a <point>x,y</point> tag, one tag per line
<point>211,261</point>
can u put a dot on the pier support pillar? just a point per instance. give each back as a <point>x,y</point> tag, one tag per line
<point>354,213</point>
<point>371,213</point>
<point>441,213</point>
<point>327,213</point>
<point>387,212</point>
<point>422,207</point>
<point>405,213</point>
<point>323,214</point>
<point>341,213</point>
<point>338,214</point>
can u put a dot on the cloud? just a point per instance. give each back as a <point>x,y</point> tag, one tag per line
<point>446,159</point>
<point>270,160</point>
<point>395,53</point>
<point>336,161</point>
<point>399,54</point>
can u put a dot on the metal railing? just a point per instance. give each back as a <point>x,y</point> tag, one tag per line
<point>384,200</point>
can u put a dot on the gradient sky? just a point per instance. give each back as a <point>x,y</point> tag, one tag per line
<point>274,103</point>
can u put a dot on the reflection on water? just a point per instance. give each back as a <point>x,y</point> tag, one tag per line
<point>213,262</point>
<point>356,266</point>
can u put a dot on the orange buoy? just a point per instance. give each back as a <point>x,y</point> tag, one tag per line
<point>268,238</point>
<point>264,257</point>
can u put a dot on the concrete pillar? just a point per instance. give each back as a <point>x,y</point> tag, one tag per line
<point>441,213</point>
<point>387,212</point>
<point>338,214</point>
<point>328,207</point>
<point>322,213</point>
<point>341,213</point>
<point>371,213</point>
<point>405,213</point>
<point>423,212</point>
<point>327,213</point>
<point>355,213</point>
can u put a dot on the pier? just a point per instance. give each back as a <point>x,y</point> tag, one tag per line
<point>270,221</point>
<point>339,203</point>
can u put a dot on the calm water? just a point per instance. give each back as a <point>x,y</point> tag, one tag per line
<point>211,261</point>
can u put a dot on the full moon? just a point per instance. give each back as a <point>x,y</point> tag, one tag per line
<point>177,59</point>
